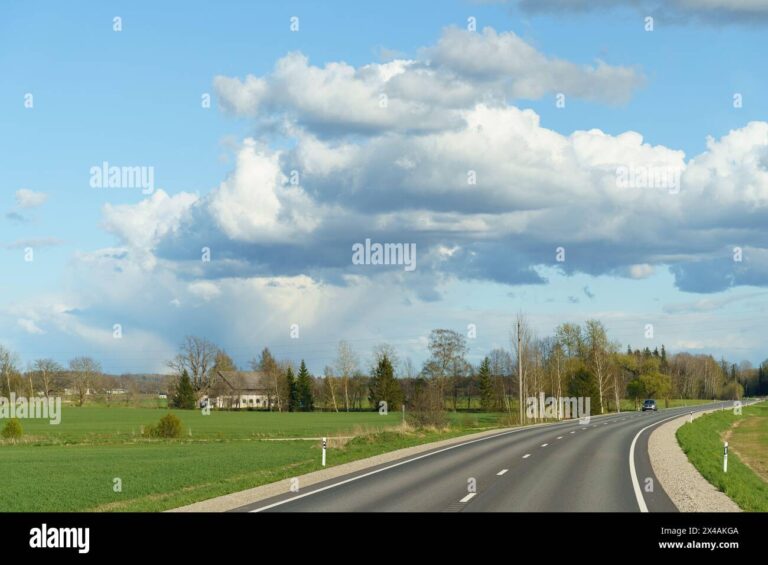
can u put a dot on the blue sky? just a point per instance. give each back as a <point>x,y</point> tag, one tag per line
<point>281,252</point>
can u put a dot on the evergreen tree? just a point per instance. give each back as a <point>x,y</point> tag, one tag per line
<point>583,384</point>
<point>293,392</point>
<point>485,382</point>
<point>185,394</point>
<point>304,389</point>
<point>383,386</point>
<point>762,379</point>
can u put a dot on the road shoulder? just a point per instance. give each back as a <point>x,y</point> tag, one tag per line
<point>688,490</point>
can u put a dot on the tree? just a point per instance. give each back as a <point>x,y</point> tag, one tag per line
<point>584,385</point>
<point>346,366</point>
<point>197,355</point>
<point>306,401</point>
<point>383,386</point>
<point>656,385</point>
<point>329,388</point>
<point>84,371</point>
<point>223,362</point>
<point>502,369</point>
<point>268,365</point>
<point>599,352</point>
<point>293,393</point>
<point>447,349</point>
<point>571,339</point>
<point>45,370</point>
<point>485,382</point>
<point>184,397</point>
<point>521,345</point>
<point>8,369</point>
<point>636,390</point>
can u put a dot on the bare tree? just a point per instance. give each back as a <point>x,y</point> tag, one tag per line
<point>84,371</point>
<point>346,367</point>
<point>447,349</point>
<point>197,356</point>
<point>330,387</point>
<point>502,369</point>
<point>599,357</point>
<point>407,369</point>
<point>267,364</point>
<point>8,366</point>
<point>46,369</point>
<point>521,343</point>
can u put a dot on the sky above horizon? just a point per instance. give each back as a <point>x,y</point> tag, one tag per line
<point>508,141</point>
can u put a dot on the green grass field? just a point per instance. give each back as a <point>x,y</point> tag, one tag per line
<point>109,425</point>
<point>72,466</point>
<point>747,434</point>
<point>162,475</point>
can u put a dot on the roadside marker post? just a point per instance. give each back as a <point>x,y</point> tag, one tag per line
<point>691,418</point>
<point>725,458</point>
<point>325,445</point>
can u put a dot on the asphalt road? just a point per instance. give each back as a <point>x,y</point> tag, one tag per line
<point>563,467</point>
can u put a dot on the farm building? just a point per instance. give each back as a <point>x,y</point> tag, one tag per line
<point>241,389</point>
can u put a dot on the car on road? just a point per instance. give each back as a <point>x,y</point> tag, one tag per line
<point>649,405</point>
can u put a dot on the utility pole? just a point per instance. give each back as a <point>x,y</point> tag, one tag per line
<point>520,368</point>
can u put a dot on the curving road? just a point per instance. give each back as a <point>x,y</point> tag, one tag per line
<point>564,467</point>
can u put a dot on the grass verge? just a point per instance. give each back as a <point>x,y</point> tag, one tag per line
<point>747,434</point>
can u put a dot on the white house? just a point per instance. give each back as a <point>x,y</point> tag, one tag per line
<point>241,389</point>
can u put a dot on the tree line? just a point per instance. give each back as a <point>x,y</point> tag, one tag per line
<point>575,361</point>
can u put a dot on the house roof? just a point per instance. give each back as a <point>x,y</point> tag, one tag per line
<point>244,380</point>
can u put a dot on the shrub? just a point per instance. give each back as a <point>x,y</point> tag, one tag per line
<point>12,429</point>
<point>169,426</point>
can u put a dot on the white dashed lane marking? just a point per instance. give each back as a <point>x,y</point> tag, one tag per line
<point>544,444</point>
<point>502,472</point>
<point>526,456</point>
<point>468,497</point>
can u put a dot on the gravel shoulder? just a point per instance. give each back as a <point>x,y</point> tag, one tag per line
<point>688,490</point>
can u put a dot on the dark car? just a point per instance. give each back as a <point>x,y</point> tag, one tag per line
<point>649,405</point>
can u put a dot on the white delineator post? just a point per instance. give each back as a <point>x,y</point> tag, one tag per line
<point>325,445</point>
<point>691,418</point>
<point>725,458</point>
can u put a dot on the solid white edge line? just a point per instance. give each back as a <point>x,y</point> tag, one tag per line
<point>633,472</point>
<point>468,497</point>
